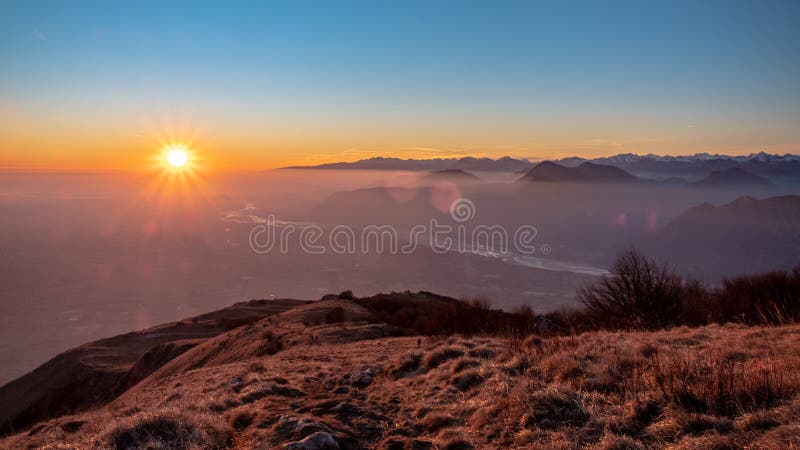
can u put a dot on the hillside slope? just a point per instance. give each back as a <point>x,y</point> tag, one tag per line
<point>97,372</point>
<point>597,390</point>
<point>745,236</point>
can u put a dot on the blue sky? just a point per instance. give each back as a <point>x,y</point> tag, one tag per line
<point>280,81</point>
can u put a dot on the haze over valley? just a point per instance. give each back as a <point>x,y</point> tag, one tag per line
<point>93,255</point>
<point>402,225</point>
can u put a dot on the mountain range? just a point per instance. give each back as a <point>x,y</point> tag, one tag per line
<point>504,164</point>
<point>699,164</point>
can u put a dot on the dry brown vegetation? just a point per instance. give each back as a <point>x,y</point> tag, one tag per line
<point>640,294</point>
<point>730,386</point>
<point>435,315</point>
<point>95,373</point>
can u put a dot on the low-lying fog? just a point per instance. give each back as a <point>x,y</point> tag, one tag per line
<point>86,256</point>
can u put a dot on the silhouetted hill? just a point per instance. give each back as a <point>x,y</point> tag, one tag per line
<point>734,176</point>
<point>452,175</point>
<point>702,163</point>
<point>742,237</point>
<point>584,173</point>
<point>504,164</point>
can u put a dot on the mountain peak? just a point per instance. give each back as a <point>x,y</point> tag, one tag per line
<point>586,172</point>
<point>456,175</point>
<point>734,176</point>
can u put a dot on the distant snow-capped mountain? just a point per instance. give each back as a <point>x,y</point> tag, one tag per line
<point>695,166</point>
<point>628,158</point>
<point>762,163</point>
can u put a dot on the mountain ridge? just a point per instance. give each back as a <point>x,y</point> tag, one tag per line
<point>708,241</point>
<point>586,172</point>
<point>761,163</point>
<point>734,176</point>
<point>502,164</point>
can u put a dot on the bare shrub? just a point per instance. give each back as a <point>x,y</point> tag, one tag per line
<point>770,298</point>
<point>639,294</point>
<point>570,321</point>
<point>482,303</point>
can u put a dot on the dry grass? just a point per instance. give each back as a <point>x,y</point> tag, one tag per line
<point>555,408</point>
<point>436,358</point>
<point>717,386</point>
<point>168,429</point>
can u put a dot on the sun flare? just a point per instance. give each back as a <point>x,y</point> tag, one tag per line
<point>177,156</point>
<point>177,171</point>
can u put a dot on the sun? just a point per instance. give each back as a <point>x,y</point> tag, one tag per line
<point>177,173</point>
<point>177,156</point>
